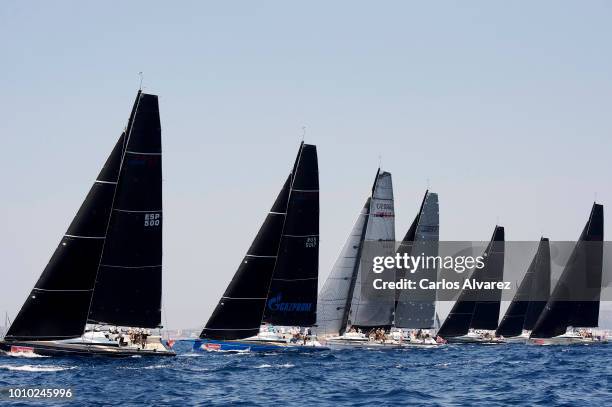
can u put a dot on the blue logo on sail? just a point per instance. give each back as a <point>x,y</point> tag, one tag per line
<point>275,304</point>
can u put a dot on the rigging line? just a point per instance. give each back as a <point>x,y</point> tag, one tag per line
<point>141,77</point>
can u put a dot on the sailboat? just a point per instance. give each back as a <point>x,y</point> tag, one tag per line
<point>530,298</point>
<point>7,323</point>
<point>106,271</point>
<point>276,282</point>
<point>474,315</point>
<point>415,310</point>
<point>345,314</point>
<point>573,305</point>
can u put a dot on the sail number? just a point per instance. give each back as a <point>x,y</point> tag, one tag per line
<point>152,219</point>
<point>311,241</point>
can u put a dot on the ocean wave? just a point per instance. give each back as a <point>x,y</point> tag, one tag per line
<point>143,367</point>
<point>228,352</point>
<point>200,369</point>
<point>284,365</point>
<point>24,355</point>
<point>233,352</point>
<point>488,376</point>
<point>190,355</point>
<point>37,368</point>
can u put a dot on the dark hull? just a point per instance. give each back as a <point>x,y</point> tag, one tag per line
<point>52,348</point>
<point>475,338</point>
<point>463,340</point>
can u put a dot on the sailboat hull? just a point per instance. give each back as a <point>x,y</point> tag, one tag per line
<point>211,345</point>
<point>567,339</point>
<point>476,338</point>
<point>516,339</point>
<point>339,344</point>
<point>60,348</point>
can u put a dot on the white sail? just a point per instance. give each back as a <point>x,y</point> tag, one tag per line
<point>335,296</point>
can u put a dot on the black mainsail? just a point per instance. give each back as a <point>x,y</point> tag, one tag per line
<point>416,310</point>
<point>540,289</point>
<point>292,297</point>
<point>57,307</point>
<point>531,295</point>
<point>575,299</point>
<point>290,228</point>
<point>470,311</point>
<point>486,311</point>
<point>129,280</point>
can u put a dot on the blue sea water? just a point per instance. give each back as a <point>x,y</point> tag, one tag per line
<point>453,375</point>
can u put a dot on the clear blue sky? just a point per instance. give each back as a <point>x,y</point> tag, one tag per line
<point>503,106</point>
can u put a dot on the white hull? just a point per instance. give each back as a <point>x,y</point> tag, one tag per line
<point>347,344</point>
<point>566,340</point>
<point>522,338</point>
<point>516,339</point>
<point>360,341</point>
<point>283,342</point>
<point>284,339</point>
